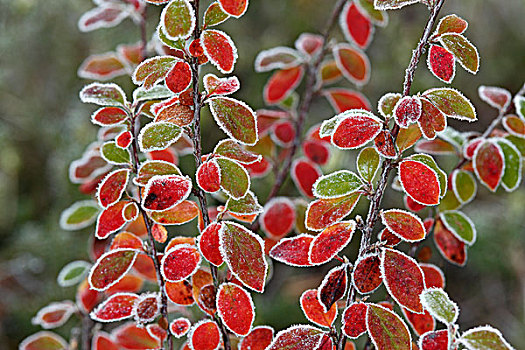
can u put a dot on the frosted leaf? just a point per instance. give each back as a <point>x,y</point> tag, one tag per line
<point>437,302</point>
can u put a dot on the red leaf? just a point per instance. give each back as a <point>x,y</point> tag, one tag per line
<point>238,246</point>
<point>179,77</point>
<point>514,125</point>
<point>259,168</point>
<point>357,28</point>
<point>86,297</point>
<point>411,204</point>
<point>330,242</point>
<point>209,244</point>
<point>147,307</point>
<point>117,307</point>
<point>103,341</point>
<point>367,275</point>
<point>102,17</point>
<point>236,309</point>
<point>106,116</point>
<point>128,284</point>
<point>156,331</point>
<point>124,139</point>
<point>283,133</point>
<point>333,287</point>
<point>110,220</point>
<point>386,329</point>
<point>180,214</point>
<point>407,226</point>
<point>131,336</point>
<point>258,339</point>
<point>180,262</point>
<point>180,293</point>
<point>220,86</point>
<point>432,120</point>
<point>325,212</point>
<point>309,43</point>
<point>355,129</point>
<point>495,96</point>
<point>316,151</point>
<point>126,240</point>
<point>180,326</point>
<point>43,340</point>
<point>293,251</point>
<point>390,239</point>
<point>54,315</point>
<point>204,335</point>
<point>304,174</point>
<point>434,277</point>
<point>344,99</point>
<point>235,8</point>
<point>489,164</point>
<point>437,340</point>
<point>407,110</point>
<point>403,279</point>
<point>111,267</point>
<point>281,84</point>
<point>441,63</point>
<point>353,63</point>
<point>278,217</point>
<point>209,176</point>
<point>354,320</point>
<point>144,267</point>
<point>420,323</point>
<point>220,50</point>
<point>419,181</point>
<point>300,337</point>
<point>102,67</point>
<point>164,192</point>
<point>451,248</point>
<point>314,311</point>
<point>111,188</point>
<point>384,144</point>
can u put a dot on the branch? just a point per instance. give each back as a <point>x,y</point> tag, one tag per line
<point>197,153</point>
<point>389,164</point>
<point>306,100</point>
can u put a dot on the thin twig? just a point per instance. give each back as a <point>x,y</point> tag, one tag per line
<point>197,152</point>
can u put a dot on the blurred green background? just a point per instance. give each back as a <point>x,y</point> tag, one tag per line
<point>43,127</point>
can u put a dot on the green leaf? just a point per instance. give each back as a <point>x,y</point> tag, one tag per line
<point>79,215</point>
<point>519,103</point>
<point>73,273</point>
<point>214,15</point>
<point>392,4</point>
<point>464,185</point>
<point>513,165</point>
<point>235,118</point>
<point>379,18</point>
<point>449,202</point>
<point>233,150</point>
<point>247,205</point>
<point>484,338</point>
<point>387,102</point>
<point>460,225</point>
<point>235,180</point>
<point>338,184</point>
<point>157,136</point>
<point>157,92</point>
<point>368,162</point>
<point>452,103</point>
<point>430,162</point>
<point>153,70</point>
<point>386,329</point>
<point>439,305</point>
<point>115,155</point>
<point>178,19</point>
<point>328,126</point>
<point>466,53</point>
<point>103,95</point>
<point>518,142</point>
<point>151,168</point>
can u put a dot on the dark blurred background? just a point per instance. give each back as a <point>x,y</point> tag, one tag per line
<point>43,127</point>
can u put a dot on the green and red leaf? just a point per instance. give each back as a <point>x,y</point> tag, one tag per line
<point>495,96</point>
<point>489,164</point>
<point>243,252</point>
<point>43,340</point>
<point>452,103</point>
<point>103,95</point>
<point>386,329</point>
<point>235,118</point>
<point>450,247</point>
<point>234,178</point>
<point>103,67</point>
<point>405,225</point>
<point>177,20</point>
<point>325,212</point>
<point>220,86</point>
<point>157,136</point>
<point>330,242</point>
<point>465,53</point>
<point>484,338</point>
<point>353,63</point>
<point>111,267</point>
